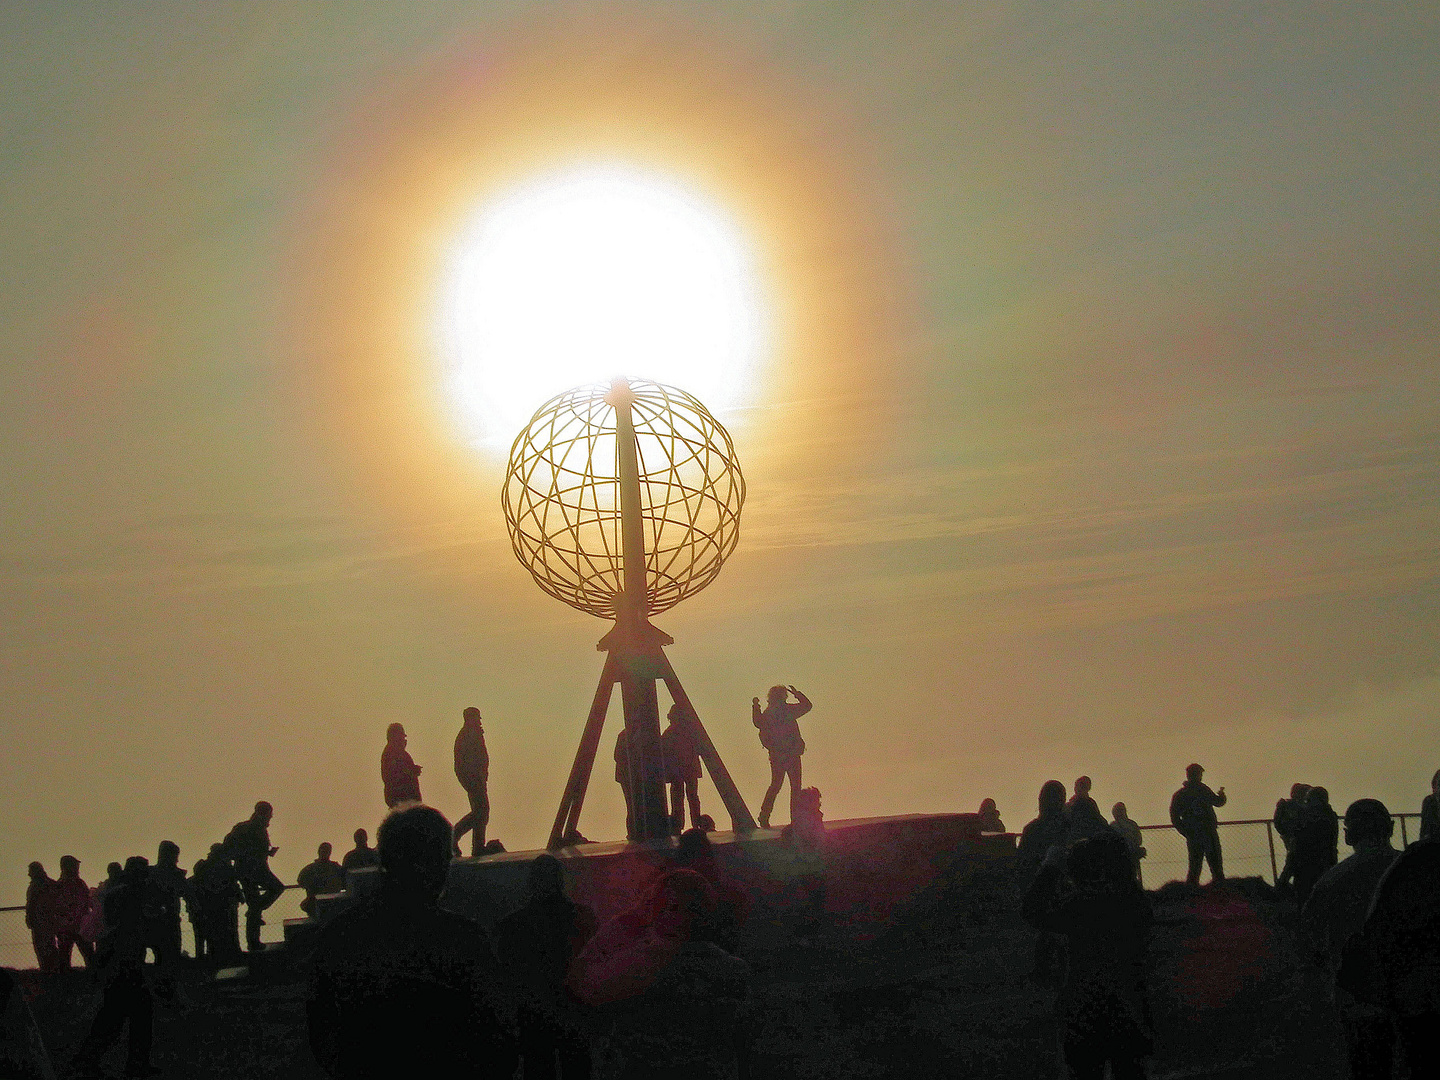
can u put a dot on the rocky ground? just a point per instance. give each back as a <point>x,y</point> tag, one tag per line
<point>941,991</point>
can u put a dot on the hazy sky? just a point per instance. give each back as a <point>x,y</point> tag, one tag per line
<point>1097,431</point>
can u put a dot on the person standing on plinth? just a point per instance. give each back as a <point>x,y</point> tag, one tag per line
<point>248,846</point>
<point>682,768</point>
<point>398,770</point>
<point>1192,812</point>
<point>780,735</point>
<point>622,777</point>
<point>472,769</point>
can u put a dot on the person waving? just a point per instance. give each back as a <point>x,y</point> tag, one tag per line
<point>780,735</point>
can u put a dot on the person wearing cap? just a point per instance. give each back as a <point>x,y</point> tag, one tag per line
<point>72,904</point>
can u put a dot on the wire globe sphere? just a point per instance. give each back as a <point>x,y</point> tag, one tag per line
<point>562,496</point>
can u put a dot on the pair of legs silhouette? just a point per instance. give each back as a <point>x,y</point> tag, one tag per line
<point>781,766</point>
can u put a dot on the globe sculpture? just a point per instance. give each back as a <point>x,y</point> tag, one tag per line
<point>563,500</point>
<point>623,499</point>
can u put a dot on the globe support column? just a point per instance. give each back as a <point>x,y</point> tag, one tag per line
<point>637,661</point>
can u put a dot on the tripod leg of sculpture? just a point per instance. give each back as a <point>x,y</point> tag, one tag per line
<point>567,818</point>
<point>740,819</point>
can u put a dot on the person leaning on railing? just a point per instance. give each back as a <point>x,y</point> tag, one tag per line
<point>1430,811</point>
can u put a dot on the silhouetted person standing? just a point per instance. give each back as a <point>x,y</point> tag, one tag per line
<point>1288,813</point>
<point>472,769</point>
<point>622,777</point>
<point>1106,920</point>
<point>682,768</point>
<point>398,770</point>
<point>125,998</point>
<point>732,904</point>
<point>1402,934</point>
<point>1046,830</point>
<point>42,916</point>
<point>72,904</point>
<point>322,876</point>
<point>1335,913</point>
<point>400,986</point>
<point>1192,812</point>
<point>1317,842</point>
<point>1038,839</point>
<point>248,847</point>
<point>1430,810</point>
<point>214,901</point>
<point>674,995</point>
<point>361,855</point>
<point>536,946</point>
<point>165,888</point>
<point>780,736</point>
<point>1130,832</point>
<point>1084,816</point>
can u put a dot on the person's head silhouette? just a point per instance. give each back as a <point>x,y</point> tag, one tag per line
<point>263,812</point>
<point>694,849</point>
<point>362,838</point>
<point>324,850</point>
<point>69,866</point>
<point>472,717</point>
<point>1299,791</point>
<point>1102,861</point>
<point>1052,798</point>
<point>1119,811</point>
<point>1318,796</point>
<point>1082,785</point>
<point>776,696</point>
<point>37,872</point>
<point>1435,784</point>
<point>395,735</point>
<point>415,852</point>
<point>137,869</point>
<point>169,854</point>
<point>1368,824</point>
<point>114,869</point>
<point>683,900</point>
<point>546,878</point>
<point>988,807</point>
<point>1193,772</point>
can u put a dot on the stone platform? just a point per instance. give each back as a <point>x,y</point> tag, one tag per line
<point>871,867</point>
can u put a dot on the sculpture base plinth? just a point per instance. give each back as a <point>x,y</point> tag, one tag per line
<point>872,867</point>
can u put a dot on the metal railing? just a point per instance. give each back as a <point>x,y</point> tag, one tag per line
<point>16,950</point>
<point>1248,848</point>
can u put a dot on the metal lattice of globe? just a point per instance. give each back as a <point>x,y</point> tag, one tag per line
<point>562,496</point>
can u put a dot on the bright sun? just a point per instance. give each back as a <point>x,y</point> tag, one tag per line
<point>587,274</point>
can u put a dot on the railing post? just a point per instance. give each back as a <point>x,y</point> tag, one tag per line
<point>1270,838</point>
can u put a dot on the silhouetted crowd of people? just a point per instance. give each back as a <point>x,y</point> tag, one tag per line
<point>660,987</point>
<point>1371,920</point>
<point>659,984</point>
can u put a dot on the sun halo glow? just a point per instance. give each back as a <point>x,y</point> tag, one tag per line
<point>590,273</point>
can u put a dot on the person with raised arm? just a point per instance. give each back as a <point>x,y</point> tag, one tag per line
<point>780,736</point>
